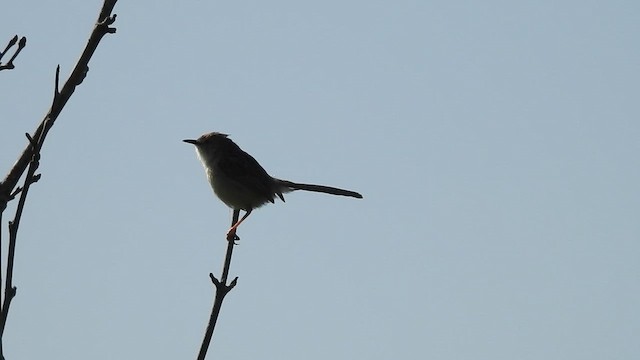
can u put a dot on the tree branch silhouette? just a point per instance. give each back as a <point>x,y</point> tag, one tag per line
<point>222,289</point>
<point>30,157</point>
<point>60,98</point>
<point>10,290</point>
<point>21,44</point>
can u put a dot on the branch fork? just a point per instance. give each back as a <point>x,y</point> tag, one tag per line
<point>222,289</point>
<point>21,44</point>
<point>29,160</point>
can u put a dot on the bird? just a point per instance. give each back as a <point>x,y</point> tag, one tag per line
<point>240,182</point>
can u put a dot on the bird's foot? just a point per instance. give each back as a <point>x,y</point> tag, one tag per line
<point>231,236</point>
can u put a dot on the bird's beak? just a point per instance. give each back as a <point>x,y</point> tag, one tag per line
<point>194,142</point>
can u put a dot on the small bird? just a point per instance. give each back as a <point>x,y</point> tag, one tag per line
<point>239,180</point>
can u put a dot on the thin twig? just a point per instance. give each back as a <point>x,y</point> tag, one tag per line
<point>102,27</point>
<point>221,291</point>
<point>9,289</point>
<point>21,44</point>
<point>12,42</point>
<point>30,156</point>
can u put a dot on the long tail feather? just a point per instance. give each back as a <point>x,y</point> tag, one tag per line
<point>319,188</point>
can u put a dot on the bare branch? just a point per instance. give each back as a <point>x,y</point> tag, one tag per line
<point>30,157</point>
<point>102,27</point>
<point>21,44</point>
<point>222,289</point>
<point>12,42</point>
<point>56,88</point>
<point>9,289</point>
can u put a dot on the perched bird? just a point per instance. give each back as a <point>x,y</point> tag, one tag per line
<point>239,180</point>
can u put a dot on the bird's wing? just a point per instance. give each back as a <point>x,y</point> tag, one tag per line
<point>243,168</point>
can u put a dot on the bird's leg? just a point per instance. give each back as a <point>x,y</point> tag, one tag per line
<point>231,234</point>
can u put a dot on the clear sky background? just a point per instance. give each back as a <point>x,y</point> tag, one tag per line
<point>495,142</point>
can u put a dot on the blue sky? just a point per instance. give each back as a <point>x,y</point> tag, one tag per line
<point>495,143</point>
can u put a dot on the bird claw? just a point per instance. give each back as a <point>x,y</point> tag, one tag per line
<point>231,236</point>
